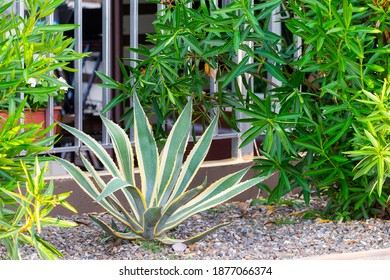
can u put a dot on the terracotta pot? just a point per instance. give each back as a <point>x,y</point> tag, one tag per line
<point>38,116</point>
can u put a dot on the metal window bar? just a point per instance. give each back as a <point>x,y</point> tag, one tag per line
<point>134,29</point>
<point>78,77</point>
<point>247,151</point>
<point>106,54</point>
<point>50,105</point>
<point>19,10</point>
<point>275,27</point>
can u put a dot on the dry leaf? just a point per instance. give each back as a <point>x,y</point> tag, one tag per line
<point>270,210</point>
<point>256,215</point>
<point>269,223</point>
<point>197,217</point>
<point>320,221</point>
<point>298,214</point>
<point>193,247</point>
<point>210,71</point>
<point>243,206</point>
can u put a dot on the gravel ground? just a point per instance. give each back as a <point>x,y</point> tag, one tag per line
<point>255,232</point>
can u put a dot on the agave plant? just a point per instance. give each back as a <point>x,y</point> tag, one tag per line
<point>163,200</point>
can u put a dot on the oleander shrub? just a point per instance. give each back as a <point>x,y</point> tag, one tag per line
<point>32,52</point>
<point>26,199</point>
<point>326,127</point>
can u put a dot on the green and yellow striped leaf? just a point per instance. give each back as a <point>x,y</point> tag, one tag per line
<point>219,186</point>
<point>194,161</point>
<point>97,149</point>
<point>129,197</point>
<point>147,154</point>
<point>171,157</point>
<point>123,150</point>
<point>200,236</point>
<point>113,185</point>
<point>98,180</point>
<point>110,231</point>
<point>133,217</point>
<point>173,206</point>
<point>193,239</point>
<point>208,202</point>
<point>88,186</point>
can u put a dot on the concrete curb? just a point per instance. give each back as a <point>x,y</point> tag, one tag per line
<point>382,254</point>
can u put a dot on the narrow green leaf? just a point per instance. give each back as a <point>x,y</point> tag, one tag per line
<point>56,27</point>
<point>335,30</point>
<point>319,171</point>
<point>161,46</point>
<point>254,22</point>
<point>10,232</point>
<point>193,44</point>
<point>340,134</point>
<point>43,252</point>
<point>240,69</point>
<point>376,68</point>
<point>274,57</point>
<point>372,139</point>
<point>354,47</point>
<point>5,7</point>
<point>6,85</point>
<point>266,4</point>
<point>366,166</point>
<point>308,146</point>
<point>236,41</point>
<point>275,72</point>
<point>107,80</point>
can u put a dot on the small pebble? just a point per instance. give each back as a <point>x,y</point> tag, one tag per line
<point>179,247</point>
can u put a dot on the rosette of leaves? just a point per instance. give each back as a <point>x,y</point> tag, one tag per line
<point>163,200</point>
